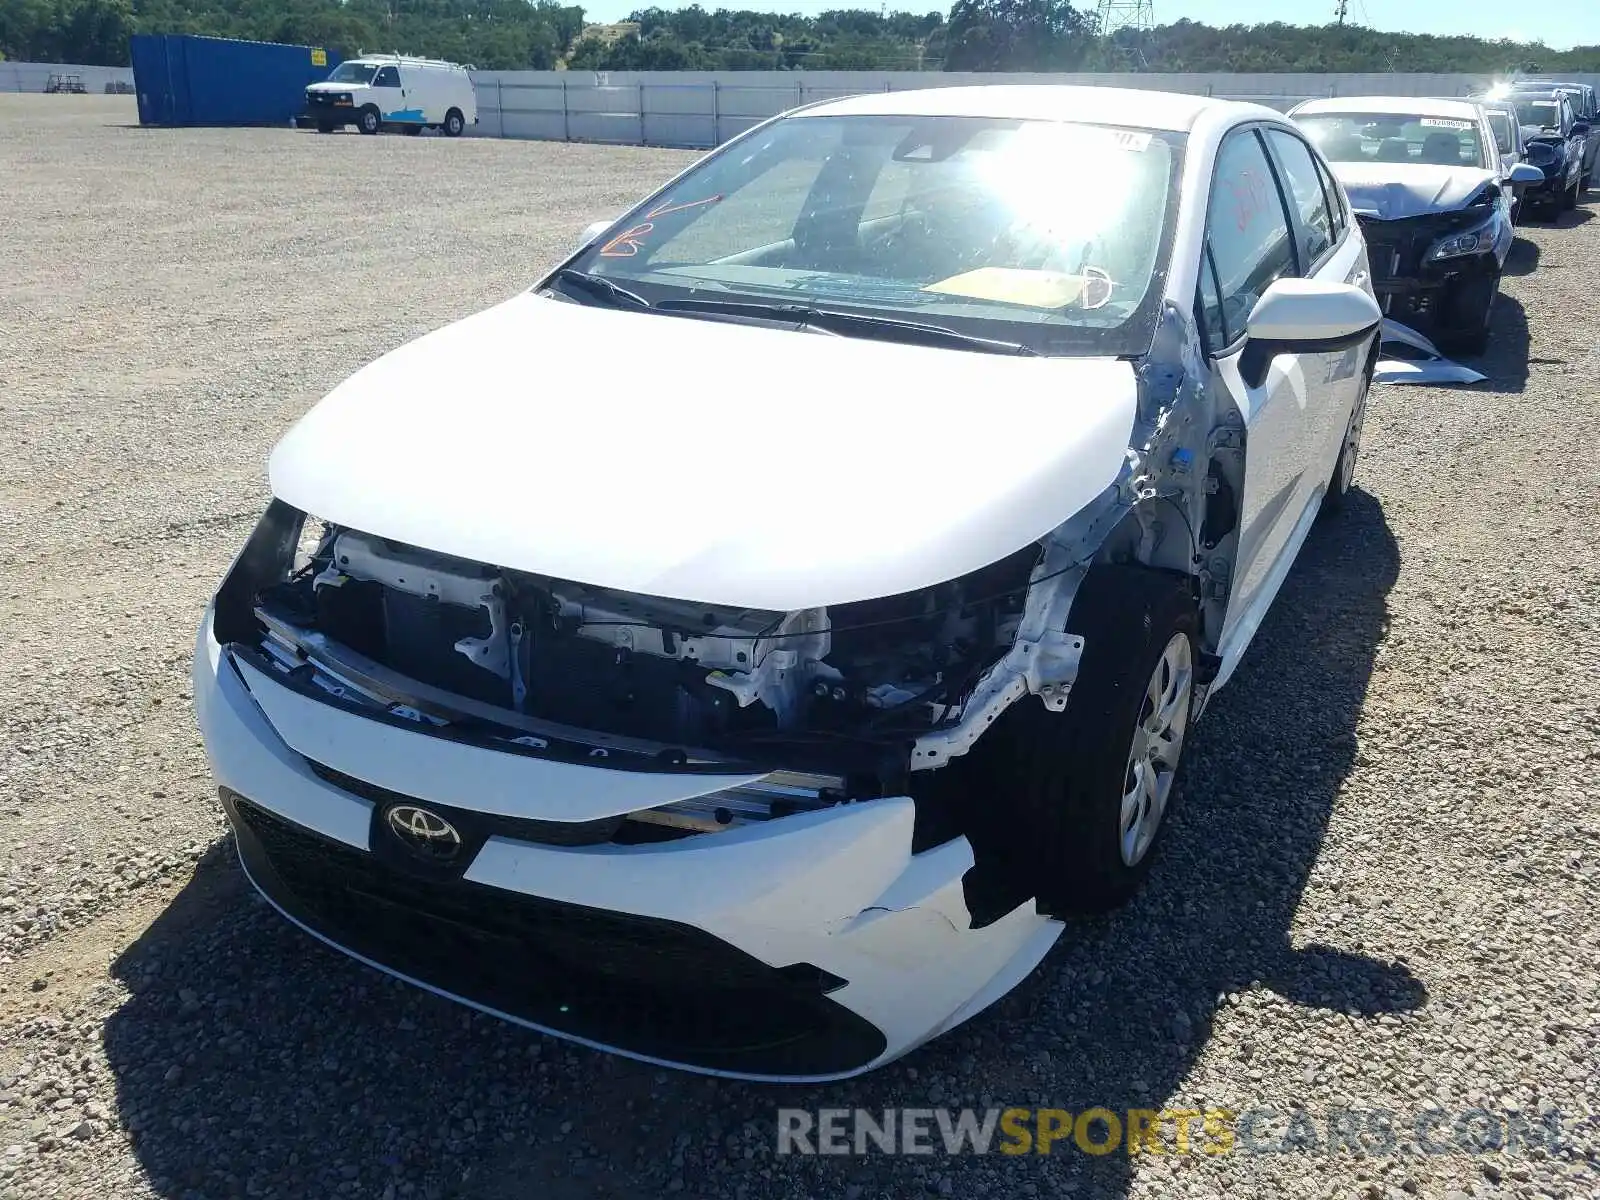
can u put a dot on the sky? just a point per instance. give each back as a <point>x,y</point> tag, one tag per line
<point>1558,24</point>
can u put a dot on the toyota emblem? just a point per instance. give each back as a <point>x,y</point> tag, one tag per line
<point>424,833</point>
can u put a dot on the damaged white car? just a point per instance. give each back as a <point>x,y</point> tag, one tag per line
<point>758,696</point>
<point>1434,200</point>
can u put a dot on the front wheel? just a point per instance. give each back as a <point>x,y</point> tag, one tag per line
<point>1470,314</point>
<point>1086,793</point>
<point>454,123</point>
<point>369,122</point>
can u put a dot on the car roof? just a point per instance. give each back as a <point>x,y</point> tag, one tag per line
<point>1042,102</point>
<point>1413,106</point>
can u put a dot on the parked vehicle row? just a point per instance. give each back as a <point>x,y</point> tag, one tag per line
<point>1438,184</point>
<point>647,740</point>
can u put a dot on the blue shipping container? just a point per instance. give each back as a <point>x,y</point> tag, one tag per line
<point>187,80</point>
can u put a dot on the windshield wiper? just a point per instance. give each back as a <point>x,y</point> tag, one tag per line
<point>602,288</point>
<point>888,329</point>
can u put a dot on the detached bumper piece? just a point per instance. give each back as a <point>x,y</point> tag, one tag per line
<point>656,988</point>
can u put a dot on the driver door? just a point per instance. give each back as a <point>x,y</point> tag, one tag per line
<point>1250,243</point>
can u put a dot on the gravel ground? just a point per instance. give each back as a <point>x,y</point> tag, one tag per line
<point>1377,896</point>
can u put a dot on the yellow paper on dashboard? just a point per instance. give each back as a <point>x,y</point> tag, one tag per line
<point>1015,285</point>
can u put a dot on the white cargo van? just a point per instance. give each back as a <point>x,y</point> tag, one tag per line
<point>376,91</point>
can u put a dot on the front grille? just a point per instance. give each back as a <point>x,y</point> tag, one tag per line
<point>642,984</point>
<point>476,827</point>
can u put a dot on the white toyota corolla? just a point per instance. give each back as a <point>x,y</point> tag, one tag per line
<point>743,649</point>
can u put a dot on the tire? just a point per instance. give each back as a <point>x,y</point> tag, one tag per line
<point>1471,316</point>
<point>1063,778</point>
<point>1569,198</point>
<point>454,123</point>
<point>1344,468</point>
<point>370,121</point>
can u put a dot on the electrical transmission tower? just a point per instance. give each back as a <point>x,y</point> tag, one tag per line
<point>1116,15</point>
<point>1341,10</point>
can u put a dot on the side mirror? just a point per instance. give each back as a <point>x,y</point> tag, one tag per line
<point>1305,316</point>
<point>1581,129</point>
<point>598,227</point>
<point>1523,174</point>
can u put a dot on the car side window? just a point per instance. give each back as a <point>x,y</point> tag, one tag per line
<point>1208,305</point>
<point>1247,229</point>
<point>387,77</point>
<point>1330,188</point>
<point>1307,195</point>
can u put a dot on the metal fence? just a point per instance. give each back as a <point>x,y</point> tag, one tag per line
<point>702,109</point>
<point>31,77</point>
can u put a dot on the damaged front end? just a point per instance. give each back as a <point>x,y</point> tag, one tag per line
<point>1437,270</point>
<point>834,700</point>
<point>827,705</point>
<point>746,841</point>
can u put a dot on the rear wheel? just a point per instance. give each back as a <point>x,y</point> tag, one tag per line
<point>454,123</point>
<point>369,122</point>
<point>1083,794</point>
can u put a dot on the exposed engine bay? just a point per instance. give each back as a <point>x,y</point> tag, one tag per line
<point>699,680</point>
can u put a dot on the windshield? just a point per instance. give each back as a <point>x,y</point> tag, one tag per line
<point>1395,138</point>
<point>1544,114</point>
<point>353,72</point>
<point>1049,234</point>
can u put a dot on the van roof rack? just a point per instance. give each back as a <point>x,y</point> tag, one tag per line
<point>406,58</point>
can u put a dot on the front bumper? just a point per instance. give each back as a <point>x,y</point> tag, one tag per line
<point>812,947</point>
<point>335,116</point>
<point>1557,179</point>
<point>1409,286</point>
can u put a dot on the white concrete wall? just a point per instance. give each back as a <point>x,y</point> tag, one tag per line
<point>30,77</point>
<point>704,108</point>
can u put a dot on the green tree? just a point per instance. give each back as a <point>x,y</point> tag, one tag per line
<point>1017,35</point>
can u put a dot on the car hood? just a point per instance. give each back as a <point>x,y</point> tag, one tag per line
<point>729,464</point>
<point>325,86</point>
<point>1391,191</point>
